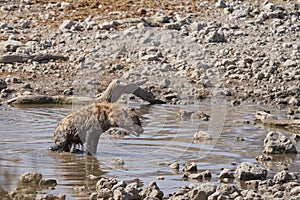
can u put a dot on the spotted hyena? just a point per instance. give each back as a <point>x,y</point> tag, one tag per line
<point>87,124</point>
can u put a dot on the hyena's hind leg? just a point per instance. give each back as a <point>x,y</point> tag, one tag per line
<point>77,148</point>
<point>62,142</point>
<point>60,146</point>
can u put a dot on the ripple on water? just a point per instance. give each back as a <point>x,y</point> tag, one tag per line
<point>27,132</point>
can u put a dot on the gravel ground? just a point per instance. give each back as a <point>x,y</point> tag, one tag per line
<point>241,50</point>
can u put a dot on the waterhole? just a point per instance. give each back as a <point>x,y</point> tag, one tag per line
<point>27,132</point>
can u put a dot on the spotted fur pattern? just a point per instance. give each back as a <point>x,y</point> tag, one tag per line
<point>87,124</point>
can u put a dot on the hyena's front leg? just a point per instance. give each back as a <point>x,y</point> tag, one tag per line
<point>92,139</point>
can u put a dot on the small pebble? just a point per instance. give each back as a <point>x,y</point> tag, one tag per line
<point>117,161</point>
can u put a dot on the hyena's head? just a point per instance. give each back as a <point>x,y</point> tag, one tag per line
<point>126,119</point>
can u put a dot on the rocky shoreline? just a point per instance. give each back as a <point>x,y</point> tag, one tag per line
<point>252,183</point>
<point>182,52</point>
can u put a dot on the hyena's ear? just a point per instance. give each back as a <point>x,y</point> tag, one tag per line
<point>124,120</point>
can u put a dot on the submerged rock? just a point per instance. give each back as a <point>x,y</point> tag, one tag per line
<point>201,135</point>
<point>30,178</point>
<point>263,158</point>
<point>117,162</point>
<point>36,179</point>
<point>239,139</point>
<point>29,185</point>
<point>276,142</point>
<point>184,115</point>
<point>200,115</point>
<point>174,166</point>
<point>48,183</point>
<point>197,176</point>
<point>205,175</point>
<point>190,167</point>
<point>226,173</point>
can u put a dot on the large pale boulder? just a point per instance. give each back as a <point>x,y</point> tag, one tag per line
<point>250,171</point>
<point>276,143</point>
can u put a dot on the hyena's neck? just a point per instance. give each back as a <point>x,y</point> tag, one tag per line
<point>103,113</point>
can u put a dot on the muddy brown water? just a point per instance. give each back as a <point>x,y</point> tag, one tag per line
<point>27,132</point>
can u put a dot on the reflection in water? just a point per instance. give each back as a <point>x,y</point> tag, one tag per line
<point>279,162</point>
<point>77,170</point>
<point>7,176</point>
<point>27,132</point>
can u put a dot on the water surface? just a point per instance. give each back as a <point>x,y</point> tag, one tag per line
<point>27,132</point>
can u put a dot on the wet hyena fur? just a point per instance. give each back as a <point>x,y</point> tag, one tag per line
<point>87,124</point>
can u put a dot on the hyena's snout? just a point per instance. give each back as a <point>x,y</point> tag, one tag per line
<point>137,130</point>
